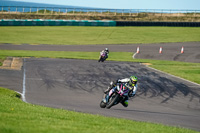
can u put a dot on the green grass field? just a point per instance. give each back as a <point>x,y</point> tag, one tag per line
<point>17,116</point>
<point>67,35</point>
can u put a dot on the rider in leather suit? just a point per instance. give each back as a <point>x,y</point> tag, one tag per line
<point>130,83</point>
<point>106,51</point>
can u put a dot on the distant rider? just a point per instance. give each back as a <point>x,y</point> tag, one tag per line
<point>129,83</point>
<point>106,51</point>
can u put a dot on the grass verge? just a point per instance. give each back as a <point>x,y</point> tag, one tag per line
<point>189,71</point>
<point>17,116</point>
<point>67,35</point>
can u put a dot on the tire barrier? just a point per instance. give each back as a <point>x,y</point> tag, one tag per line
<point>174,24</point>
<point>45,22</point>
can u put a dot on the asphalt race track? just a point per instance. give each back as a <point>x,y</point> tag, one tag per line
<point>78,85</point>
<point>170,51</point>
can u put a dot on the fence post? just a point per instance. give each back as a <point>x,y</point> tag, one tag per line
<point>186,13</point>
<point>66,11</point>
<point>45,11</point>
<point>178,13</point>
<point>51,11</point>
<point>147,14</point>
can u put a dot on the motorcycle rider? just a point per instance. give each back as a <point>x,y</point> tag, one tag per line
<point>106,51</point>
<point>129,83</point>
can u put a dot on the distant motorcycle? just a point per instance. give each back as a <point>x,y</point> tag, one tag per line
<point>103,57</point>
<point>116,95</point>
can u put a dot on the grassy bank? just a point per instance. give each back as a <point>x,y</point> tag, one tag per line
<point>96,35</point>
<point>104,15</point>
<point>17,116</point>
<point>189,71</point>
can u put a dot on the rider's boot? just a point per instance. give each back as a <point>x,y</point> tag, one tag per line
<point>125,102</point>
<point>107,90</point>
<point>112,84</point>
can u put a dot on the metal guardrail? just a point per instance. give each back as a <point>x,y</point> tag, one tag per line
<point>97,11</point>
<point>158,15</point>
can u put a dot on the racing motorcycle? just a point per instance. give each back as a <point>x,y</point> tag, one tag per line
<point>114,96</point>
<point>102,57</point>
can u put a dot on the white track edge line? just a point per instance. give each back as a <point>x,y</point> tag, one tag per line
<point>24,85</point>
<point>134,55</point>
<point>172,75</point>
<point>165,72</point>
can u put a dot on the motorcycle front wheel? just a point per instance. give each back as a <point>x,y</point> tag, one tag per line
<point>102,104</point>
<point>112,100</point>
<point>100,59</point>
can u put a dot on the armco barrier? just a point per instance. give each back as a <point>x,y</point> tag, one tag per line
<point>45,22</point>
<point>175,24</point>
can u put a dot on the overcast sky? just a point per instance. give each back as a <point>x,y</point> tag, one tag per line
<point>126,4</point>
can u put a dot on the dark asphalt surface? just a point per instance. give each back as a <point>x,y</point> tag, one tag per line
<point>78,85</point>
<point>171,51</point>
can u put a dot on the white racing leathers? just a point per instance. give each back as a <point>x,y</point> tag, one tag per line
<point>132,89</point>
